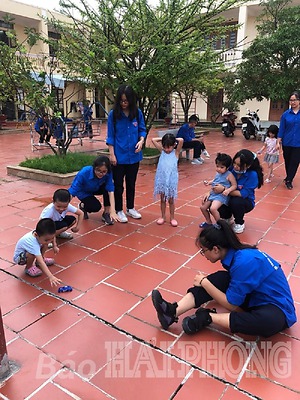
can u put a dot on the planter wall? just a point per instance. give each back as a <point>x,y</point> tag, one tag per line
<point>43,176</point>
<point>150,160</point>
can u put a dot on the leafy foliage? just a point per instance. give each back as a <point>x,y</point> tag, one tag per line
<point>271,64</point>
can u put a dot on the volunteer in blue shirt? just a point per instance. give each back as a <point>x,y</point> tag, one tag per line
<point>187,133</point>
<point>41,126</point>
<point>248,173</point>
<point>289,138</point>
<point>96,180</point>
<point>252,287</point>
<point>126,132</point>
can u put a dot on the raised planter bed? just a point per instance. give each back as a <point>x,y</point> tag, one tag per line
<point>43,176</point>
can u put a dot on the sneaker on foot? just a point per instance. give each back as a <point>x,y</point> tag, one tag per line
<point>48,262</point>
<point>122,216</point>
<point>238,228</point>
<point>206,153</point>
<point>85,214</point>
<point>65,235</point>
<point>204,225</point>
<point>131,212</point>
<point>198,321</point>
<point>166,312</point>
<point>196,161</point>
<point>289,185</point>
<point>106,219</point>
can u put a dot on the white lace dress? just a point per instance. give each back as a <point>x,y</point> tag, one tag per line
<point>166,178</point>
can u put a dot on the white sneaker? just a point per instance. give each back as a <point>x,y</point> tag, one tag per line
<point>133,213</point>
<point>122,216</point>
<point>65,235</point>
<point>237,228</point>
<point>201,160</point>
<point>206,153</point>
<point>196,161</point>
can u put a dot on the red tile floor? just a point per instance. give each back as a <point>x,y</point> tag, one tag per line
<point>103,340</point>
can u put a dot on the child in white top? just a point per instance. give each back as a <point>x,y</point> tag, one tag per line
<point>32,246</point>
<point>57,211</point>
<point>166,178</point>
<point>272,154</point>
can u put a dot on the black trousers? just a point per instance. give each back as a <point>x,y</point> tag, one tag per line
<point>238,207</point>
<point>265,320</point>
<point>196,145</point>
<point>65,223</point>
<point>44,134</point>
<point>129,172</point>
<point>291,157</point>
<point>92,204</point>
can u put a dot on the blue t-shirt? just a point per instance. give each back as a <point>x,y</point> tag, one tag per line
<point>289,129</point>
<point>86,183</point>
<point>246,184</point>
<point>257,277</point>
<point>186,133</point>
<point>123,134</point>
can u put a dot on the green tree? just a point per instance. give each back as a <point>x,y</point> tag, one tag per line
<point>270,66</point>
<point>151,48</point>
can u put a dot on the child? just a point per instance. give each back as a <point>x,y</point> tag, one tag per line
<point>272,153</point>
<point>166,178</point>
<point>214,201</point>
<point>57,211</point>
<point>32,246</point>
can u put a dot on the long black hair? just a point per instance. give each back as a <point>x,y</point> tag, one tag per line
<point>222,236</point>
<point>249,161</point>
<point>131,97</point>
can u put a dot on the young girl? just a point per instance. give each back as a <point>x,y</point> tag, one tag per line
<point>272,152</point>
<point>166,178</point>
<point>214,201</point>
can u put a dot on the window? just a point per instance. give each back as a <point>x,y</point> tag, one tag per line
<point>59,96</point>
<point>4,38</point>
<point>53,38</point>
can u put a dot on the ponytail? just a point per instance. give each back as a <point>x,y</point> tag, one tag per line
<point>251,162</point>
<point>220,235</point>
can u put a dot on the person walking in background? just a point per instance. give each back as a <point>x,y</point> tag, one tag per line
<point>253,289</point>
<point>248,173</point>
<point>272,152</point>
<point>57,211</point>
<point>32,247</point>
<point>95,180</point>
<point>289,138</point>
<point>223,177</point>
<point>166,177</point>
<point>187,133</point>
<point>126,133</point>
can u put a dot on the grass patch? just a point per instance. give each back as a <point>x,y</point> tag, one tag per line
<point>71,162</point>
<point>149,151</point>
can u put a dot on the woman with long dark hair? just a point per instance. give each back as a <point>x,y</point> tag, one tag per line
<point>252,288</point>
<point>126,132</point>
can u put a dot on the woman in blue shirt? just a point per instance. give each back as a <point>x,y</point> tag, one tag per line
<point>253,288</point>
<point>248,173</point>
<point>95,180</point>
<point>289,138</point>
<point>126,132</point>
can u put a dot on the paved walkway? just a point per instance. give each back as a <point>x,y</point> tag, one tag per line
<point>102,340</point>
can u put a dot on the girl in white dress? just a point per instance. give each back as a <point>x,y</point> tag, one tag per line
<point>272,153</point>
<point>166,178</point>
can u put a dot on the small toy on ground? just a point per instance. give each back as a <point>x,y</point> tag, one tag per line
<point>64,289</point>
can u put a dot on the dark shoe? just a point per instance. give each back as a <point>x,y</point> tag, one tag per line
<point>106,219</point>
<point>289,185</point>
<point>166,312</point>
<point>198,321</point>
<point>85,216</point>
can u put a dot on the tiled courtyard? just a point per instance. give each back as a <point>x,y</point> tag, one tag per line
<point>103,340</point>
